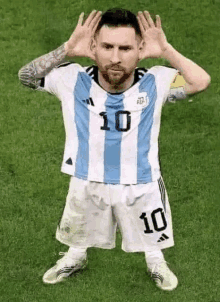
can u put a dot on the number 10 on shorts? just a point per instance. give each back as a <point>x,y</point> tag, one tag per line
<point>156,217</point>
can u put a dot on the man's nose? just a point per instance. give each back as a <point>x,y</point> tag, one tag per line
<point>115,57</point>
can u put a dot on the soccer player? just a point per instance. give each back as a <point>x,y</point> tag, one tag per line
<point>112,112</point>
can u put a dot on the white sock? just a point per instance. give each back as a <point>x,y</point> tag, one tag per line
<point>153,256</point>
<point>77,252</point>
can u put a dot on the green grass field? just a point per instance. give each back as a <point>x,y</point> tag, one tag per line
<point>33,190</point>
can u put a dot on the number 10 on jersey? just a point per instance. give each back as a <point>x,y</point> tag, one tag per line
<point>119,115</point>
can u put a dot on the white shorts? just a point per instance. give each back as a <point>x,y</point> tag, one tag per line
<point>93,210</point>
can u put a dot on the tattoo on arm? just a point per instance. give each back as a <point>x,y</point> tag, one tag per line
<point>31,74</point>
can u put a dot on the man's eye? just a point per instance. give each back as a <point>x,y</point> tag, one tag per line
<point>121,48</point>
<point>125,48</point>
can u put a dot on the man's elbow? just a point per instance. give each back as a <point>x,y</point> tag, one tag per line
<point>20,73</point>
<point>200,85</point>
<point>27,78</point>
<point>206,81</point>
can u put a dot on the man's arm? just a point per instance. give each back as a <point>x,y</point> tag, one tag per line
<point>155,45</point>
<point>196,78</point>
<point>31,74</point>
<point>78,45</point>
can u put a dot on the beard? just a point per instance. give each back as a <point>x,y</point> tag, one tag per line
<point>116,76</point>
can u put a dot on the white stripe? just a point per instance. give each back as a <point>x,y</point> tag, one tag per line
<point>163,81</point>
<point>153,151</point>
<point>141,72</point>
<point>91,70</point>
<point>71,145</point>
<point>97,136</point>
<point>129,157</point>
<point>129,147</point>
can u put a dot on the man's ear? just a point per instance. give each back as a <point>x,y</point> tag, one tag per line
<point>141,47</point>
<point>93,45</point>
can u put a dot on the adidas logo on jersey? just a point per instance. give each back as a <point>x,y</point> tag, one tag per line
<point>163,237</point>
<point>89,101</point>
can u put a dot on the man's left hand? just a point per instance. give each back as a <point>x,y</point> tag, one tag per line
<point>154,39</point>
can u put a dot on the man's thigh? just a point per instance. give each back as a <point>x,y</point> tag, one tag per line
<point>87,218</point>
<point>144,217</point>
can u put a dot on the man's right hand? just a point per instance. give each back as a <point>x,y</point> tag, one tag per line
<point>79,44</point>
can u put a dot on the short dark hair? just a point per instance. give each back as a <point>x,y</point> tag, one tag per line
<point>116,17</point>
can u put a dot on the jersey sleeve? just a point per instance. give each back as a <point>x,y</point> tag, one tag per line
<point>60,78</point>
<point>52,81</point>
<point>164,77</point>
<point>48,83</point>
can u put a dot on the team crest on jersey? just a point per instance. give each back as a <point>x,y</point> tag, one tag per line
<point>143,99</point>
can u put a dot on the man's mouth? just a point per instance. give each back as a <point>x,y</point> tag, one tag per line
<point>114,69</point>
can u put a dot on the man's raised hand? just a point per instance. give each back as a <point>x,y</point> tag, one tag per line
<point>79,44</point>
<point>154,39</point>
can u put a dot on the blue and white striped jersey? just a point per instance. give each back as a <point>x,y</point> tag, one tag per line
<point>111,138</point>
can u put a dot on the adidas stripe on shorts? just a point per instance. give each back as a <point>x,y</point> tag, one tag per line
<point>93,210</point>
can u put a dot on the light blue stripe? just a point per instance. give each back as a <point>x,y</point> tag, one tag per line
<point>144,129</point>
<point>113,137</point>
<point>82,118</point>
